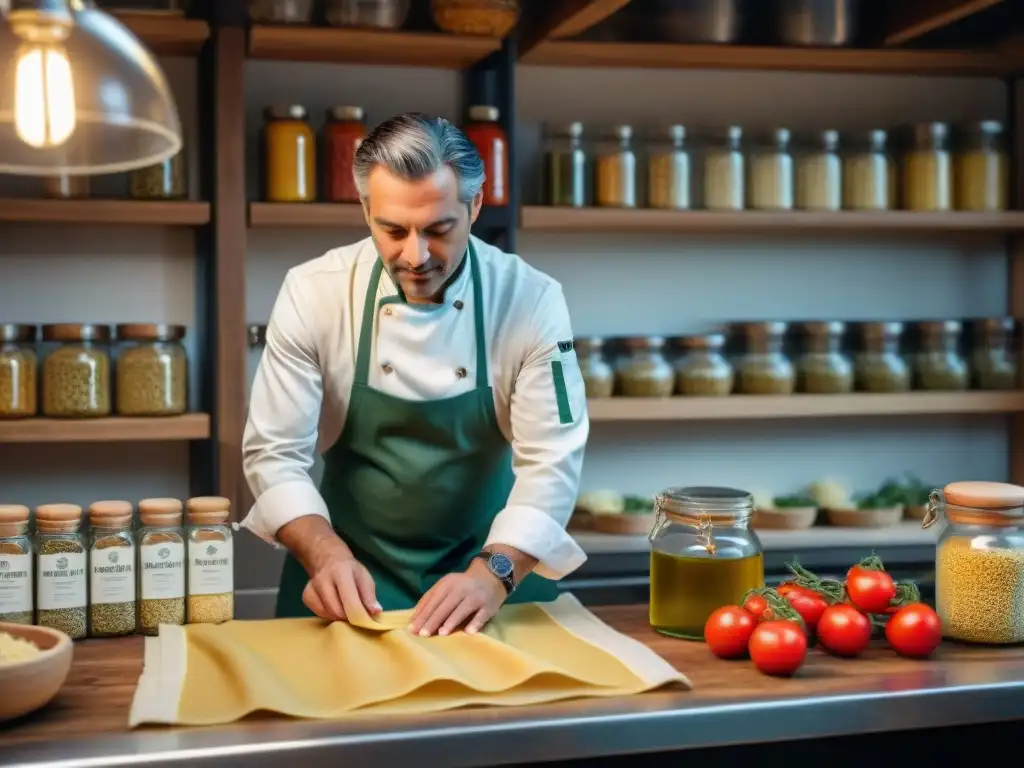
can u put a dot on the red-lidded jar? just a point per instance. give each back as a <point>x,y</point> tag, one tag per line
<point>490,141</point>
<point>343,133</point>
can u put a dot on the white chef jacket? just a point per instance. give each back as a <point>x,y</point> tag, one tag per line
<point>301,391</point>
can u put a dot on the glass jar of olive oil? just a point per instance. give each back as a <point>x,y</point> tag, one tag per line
<point>703,556</point>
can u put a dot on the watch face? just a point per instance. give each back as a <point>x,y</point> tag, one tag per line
<point>501,566</point>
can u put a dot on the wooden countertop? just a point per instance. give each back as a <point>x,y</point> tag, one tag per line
<point>92,708</point>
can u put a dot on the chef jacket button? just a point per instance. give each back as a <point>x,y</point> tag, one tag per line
<point>458,305</point>
<point>387,368</point>
<point>460,372</point>
<point>387,311</point>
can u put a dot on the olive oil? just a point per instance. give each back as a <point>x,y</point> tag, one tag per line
<point>686,590</point>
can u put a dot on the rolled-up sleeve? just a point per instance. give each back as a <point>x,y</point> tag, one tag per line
<point>549,435</point>
<point>280,434</point>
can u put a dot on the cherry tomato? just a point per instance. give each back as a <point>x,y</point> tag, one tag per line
<point>809,607</point>
<point>914,631</point>
<point>844,630</point>
<point>757,605</point>
<point>778,647</point>
<point>728,631</point>
<point>871,591</point>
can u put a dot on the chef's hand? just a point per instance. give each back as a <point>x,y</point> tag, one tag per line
<point>338,587</point>
<point>473,597</point>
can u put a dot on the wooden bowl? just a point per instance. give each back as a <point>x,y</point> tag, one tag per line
<point>788,518</point>
<point>916,511</point>
<point>30,684</point>
<point>865,518</point>
<point>625,524</point>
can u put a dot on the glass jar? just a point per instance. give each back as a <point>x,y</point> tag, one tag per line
<point>938,362</point>
<point>724,175</point>
<point>879,366</point>
<point>164,181</point>
<point>598,375</point>
<point>111,569</point>
<point>486,18</point>
<point>15,565</point>
<point>289,163</point>
<point>18,368</point>
<point>211,562</point>
<point>763,368</point>
<point>770,186</point>
<point>982,169</point>
<point>703,556</point>
<point>668,171</point>
<point>703,371</point>
<point>823,369</point>
<point>372,14</point>
<point>819,175</point>
<point>993,359</point>
<point>66,187</point>
<point>869,174</point>
<point>152,370</point>
<point>928,170</point>
<point>281,11</point>
<point>76,372</point>
<point>565,167</point>
<point>615,174</point>
<point>487,135</point>
<point>161,581</point>
<point>644,371</point>
<point>343,132</point>
<point>61,560</point>
<point>979,561</point>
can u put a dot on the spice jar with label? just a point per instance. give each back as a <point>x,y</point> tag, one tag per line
<point>703,556</point>
<point>823,369</point>
<point>668,171</point>
<point>763,368</point>
<point>161,565</point>
<point>928,169</point>
<point>61,570</point>
<point>644,371</point>
<point>289,162</point>
<point>819,175</point>
<point>938,363</point>
<point>566,181</point>
<point>615,173</point>
<point>724,174</point>
<point>152,370</point>
<point>993,359</point>
<point>15,565</point>
<point>342,134</point>
<point>211,562</point>
<point>982,169</point>
<point>164,181</point>
<point>879,366</point>
<point>770,186</point>
<point>111,569</point>
<point>703,371</point>
<point>76,371</point>
<point>979,561</point>
<point>598,374</point>
<point>869,174</point>
<point>66,187</point>
<point>18,368</point>
<point>487,135</point>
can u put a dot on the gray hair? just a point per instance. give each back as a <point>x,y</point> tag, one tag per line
<point>413,146</point>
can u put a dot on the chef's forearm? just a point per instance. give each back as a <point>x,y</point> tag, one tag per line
<point>312,541</point>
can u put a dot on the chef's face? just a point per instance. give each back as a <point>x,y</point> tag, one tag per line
<point>420,228</point>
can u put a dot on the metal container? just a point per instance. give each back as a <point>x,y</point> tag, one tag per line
<point>818,22</point>
<point>696,21</point>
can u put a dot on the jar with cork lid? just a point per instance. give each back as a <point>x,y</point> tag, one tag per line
<point>76,371</point>
<point>61,570</point>
<point>152,370</point>
<point>979,561</point>
<point>15,565</point>
<point>161,564</point>
<point>211,562</point>
<point>111,569</point>
<point>18,368</point>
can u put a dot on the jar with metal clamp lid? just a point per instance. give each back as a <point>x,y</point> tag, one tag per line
<point>938,364</point>
<point>644,371</point>
<point>615,175</point>
<point>979,561</point>
<point>668,171</point>
<point>823,369</point>
<point>703,555</point>
<point>879,366</point>
<point>598,374</point>
<point>764,369</point>
<point>703,371</point>
<point>993,359</point>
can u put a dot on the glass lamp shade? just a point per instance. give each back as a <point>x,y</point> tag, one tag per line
<point>79,94</point>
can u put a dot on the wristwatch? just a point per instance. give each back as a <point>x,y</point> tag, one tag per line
<point>502,568</point>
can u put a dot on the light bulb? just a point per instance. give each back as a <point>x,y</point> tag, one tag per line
<point>44,95</point>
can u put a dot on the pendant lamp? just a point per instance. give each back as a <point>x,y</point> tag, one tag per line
<point>79,94</point>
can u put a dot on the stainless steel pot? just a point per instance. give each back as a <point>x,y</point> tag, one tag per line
<point>696,21</point>
<point>818,22</point>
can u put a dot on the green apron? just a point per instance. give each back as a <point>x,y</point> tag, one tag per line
<point>413,486</point>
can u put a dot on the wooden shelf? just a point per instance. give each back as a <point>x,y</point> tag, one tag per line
<point>746,407</point>
<point>124,212</point>
<point>559,53</point>
<point>554,219</point>
<point>191,426</point>
<point>166,34</point>
<point>360,46</point>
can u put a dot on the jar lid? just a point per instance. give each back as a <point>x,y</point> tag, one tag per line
<point>483,113</point>
<point>15,332</point>
<point>285,112</point>
<point>150,332</point>
<point>13,513</point>
<point>345,113</point>
<point>208,509</point>
<point>984,495</point>
<point>76,332</point>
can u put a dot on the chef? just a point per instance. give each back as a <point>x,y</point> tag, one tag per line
<point>437,377</point>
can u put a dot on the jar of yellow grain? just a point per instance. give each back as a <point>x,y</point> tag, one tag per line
<point>152,370</point>
<point>17,371</point>
<point>979,562</point>
<point>76,371</point>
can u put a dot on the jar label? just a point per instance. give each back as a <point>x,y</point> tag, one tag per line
<point>113,575</point>
<point>210,567</point>
<point>61,581</point>
<point>15,583</point>
<point>163,571</point>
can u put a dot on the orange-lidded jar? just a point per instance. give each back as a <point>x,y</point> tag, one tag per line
<point>289,163</point>
<point>343,133</point>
